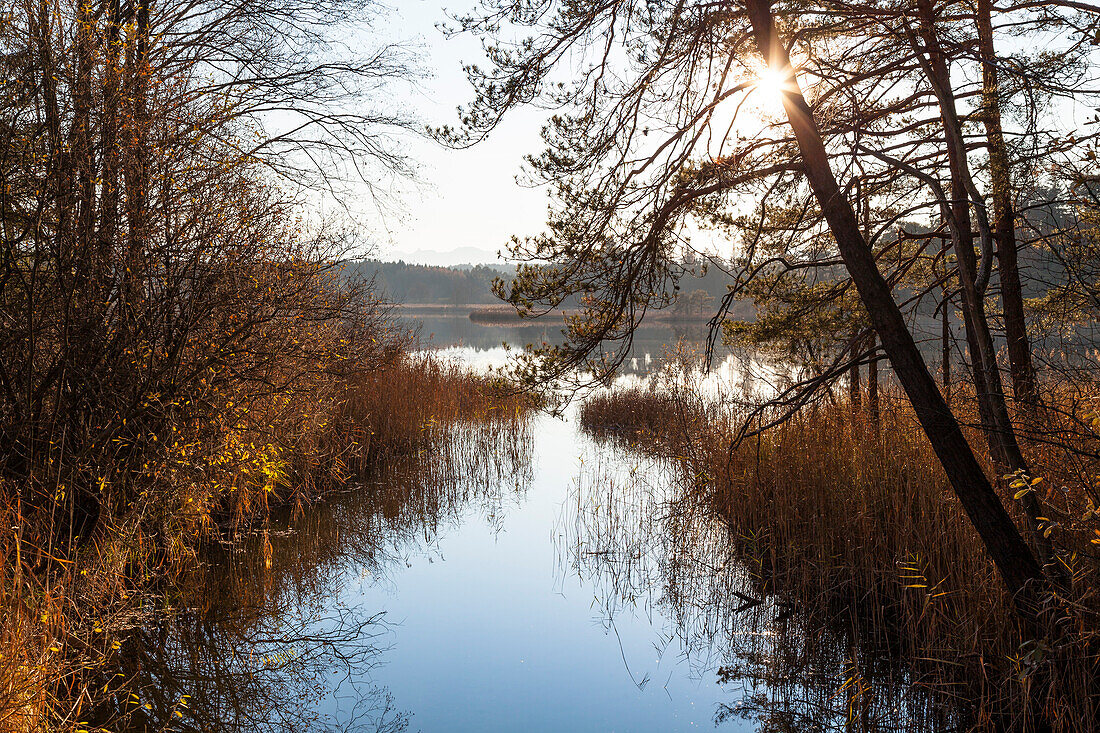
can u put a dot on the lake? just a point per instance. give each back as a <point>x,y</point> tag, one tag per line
<point>537,579</point>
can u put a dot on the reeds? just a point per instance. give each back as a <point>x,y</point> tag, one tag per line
<point>648,418</point>
<point>847,520</point>
<point>401,407</point>
<point>68,607</point>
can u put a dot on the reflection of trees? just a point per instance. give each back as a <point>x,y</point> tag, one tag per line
<point>251,670</point>
<point>655,338</point>
<point>257,636</point>
<point>691,333</point>
<point>643,543</point>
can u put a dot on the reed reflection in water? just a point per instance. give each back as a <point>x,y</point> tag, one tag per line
<point>282,630</point>
<point>644,543</point>
<point>262,635</point>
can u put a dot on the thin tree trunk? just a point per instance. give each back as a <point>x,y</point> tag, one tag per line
<point>109,194</point>
<point>1016,564</point>
<point>1021,368</point>
<point>136,170</point>
<point>992,406</point>
<point>80,139</point>
<point>986,375</point>
<point>854,387</point>
<point>945,339</point>
<point>872,383</point>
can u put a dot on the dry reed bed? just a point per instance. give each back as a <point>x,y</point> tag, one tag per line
<point>67,611</point>
<point>851,520</point>
<point>269,596</point>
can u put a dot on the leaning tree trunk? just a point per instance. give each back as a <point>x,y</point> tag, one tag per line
<point>1021,368</point>
<point>1016,564</point>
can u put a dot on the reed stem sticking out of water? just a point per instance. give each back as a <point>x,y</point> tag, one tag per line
<point>845,517</point>
<point>67,609</point>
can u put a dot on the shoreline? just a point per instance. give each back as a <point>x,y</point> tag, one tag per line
<point>504,315</point>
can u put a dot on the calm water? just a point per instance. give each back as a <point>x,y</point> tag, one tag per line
<point>494,630</point>
<point>536,580</point>
<point>497,622</point>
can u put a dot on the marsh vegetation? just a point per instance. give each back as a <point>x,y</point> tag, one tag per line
<point>800,377</point>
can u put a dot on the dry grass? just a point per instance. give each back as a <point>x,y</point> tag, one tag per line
<point>66,609</point>
<point>855,524</point>
<point>501,314</point>
<point>401,407</point>
<point>645,417</point>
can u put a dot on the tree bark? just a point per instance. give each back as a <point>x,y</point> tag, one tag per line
<point>1021,369</point>
<point>854,387</point>
<point>1014,560</point>
<point>136,173</point>
<point>945,342</point>
<point>109,191</point>
<point>872,383</point>
<point>992,405</point>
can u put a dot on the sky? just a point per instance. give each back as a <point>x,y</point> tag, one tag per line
<point>463,198</point>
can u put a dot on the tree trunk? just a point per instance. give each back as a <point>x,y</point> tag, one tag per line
<point>109,193</point>
<point>992,406</point>
<point>1013,558</point>
<point>986,376</point>
<point>136,173</point>
<point>872,383</point>
<point>945,340</point>
<point>854,387</point>
<point>1021,368</point>
<point>80,140</point>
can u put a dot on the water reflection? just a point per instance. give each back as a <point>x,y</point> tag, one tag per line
<point>531,579</point>
<point>261,635</point>
<point>456,333</point>
<point>641,543</point>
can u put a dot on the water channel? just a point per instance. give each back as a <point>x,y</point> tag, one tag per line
<point>539,580</point>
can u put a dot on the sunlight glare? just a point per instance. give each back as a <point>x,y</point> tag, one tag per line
<point>771,85</point>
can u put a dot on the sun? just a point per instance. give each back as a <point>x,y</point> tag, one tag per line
<point>771,85</point>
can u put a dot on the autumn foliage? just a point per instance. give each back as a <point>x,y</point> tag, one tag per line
<point>180,350</point>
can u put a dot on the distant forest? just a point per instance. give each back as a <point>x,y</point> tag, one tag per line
<point>700,288</point>
<point>403,282</point>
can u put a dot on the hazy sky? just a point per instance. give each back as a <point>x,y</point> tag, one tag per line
<point>466,198</point>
